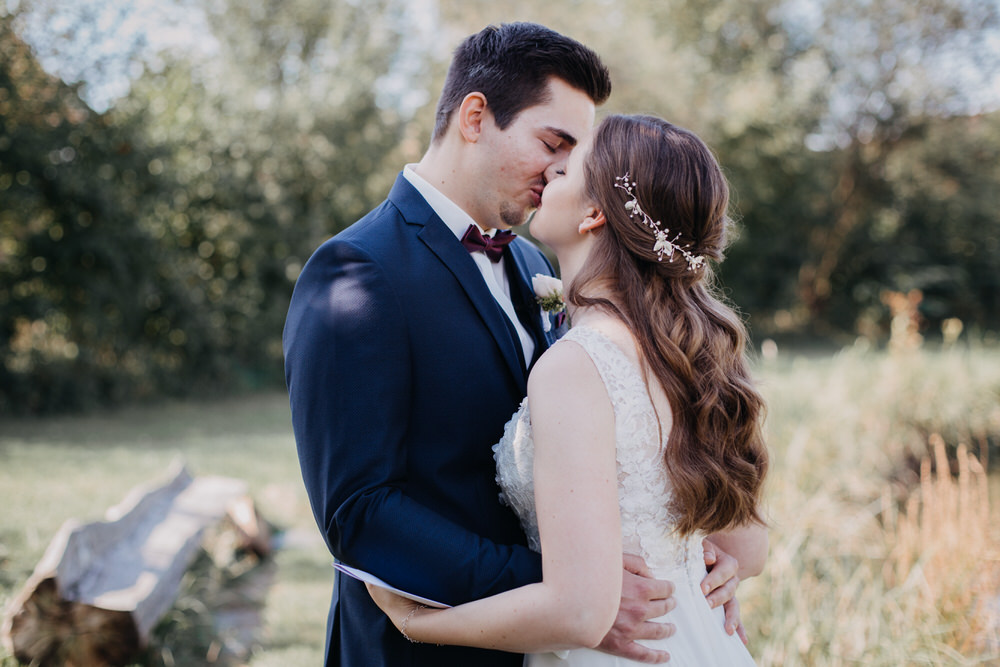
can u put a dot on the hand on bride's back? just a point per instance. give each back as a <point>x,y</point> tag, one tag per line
<point>643,598</point>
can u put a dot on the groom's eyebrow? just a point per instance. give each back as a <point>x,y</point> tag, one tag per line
<point>562,134</point>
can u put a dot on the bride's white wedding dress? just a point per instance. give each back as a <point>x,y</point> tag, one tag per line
<point>643,493</point>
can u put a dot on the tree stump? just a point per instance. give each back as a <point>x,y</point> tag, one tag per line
<point>101,587</point>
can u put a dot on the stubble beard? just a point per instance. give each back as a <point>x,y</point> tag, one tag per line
<point>513,215</point>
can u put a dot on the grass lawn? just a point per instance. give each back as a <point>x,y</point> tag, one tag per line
<point>867,566</point>
<point>58,468</point>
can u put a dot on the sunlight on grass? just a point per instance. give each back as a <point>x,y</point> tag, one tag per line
<point>79,466</point>
<point>842,586</point>
<point>846,433</point>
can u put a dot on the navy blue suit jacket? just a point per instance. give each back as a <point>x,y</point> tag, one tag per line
<point>402,371</point>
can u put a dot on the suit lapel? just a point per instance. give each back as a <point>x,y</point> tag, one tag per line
<point>523,296</point>
<point>442,242</point>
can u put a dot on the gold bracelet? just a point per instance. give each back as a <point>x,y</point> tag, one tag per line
<point>402,626</point>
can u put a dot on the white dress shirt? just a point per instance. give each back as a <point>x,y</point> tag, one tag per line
<point>494,274</point>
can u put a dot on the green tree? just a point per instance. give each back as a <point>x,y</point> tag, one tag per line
<point>837,92</point>
<point>276,144</point>
<point>158,243</point>
<point>70,183</point>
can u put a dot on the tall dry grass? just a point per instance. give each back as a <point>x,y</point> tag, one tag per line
<point>945,529</point>
<point>883,551</point>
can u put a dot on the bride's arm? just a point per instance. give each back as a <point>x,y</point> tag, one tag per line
<point>746,547</point>
<point>747,544</point>
<point>576,491</point>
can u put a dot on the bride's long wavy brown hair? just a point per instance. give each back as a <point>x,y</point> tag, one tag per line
<point>691,342</point>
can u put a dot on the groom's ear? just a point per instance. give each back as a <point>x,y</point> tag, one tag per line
<point>471,114</point>
<point>593,220</point>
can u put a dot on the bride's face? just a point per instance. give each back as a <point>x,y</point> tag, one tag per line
<point>564,203</point>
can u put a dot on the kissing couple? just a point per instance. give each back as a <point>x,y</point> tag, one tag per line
<point>579,496</point>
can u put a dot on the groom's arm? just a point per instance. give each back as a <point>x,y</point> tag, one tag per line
<point>347,368</point>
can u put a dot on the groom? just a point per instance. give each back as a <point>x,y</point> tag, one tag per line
<point>408,343</point>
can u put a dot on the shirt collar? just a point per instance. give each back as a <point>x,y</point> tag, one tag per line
<point>451,213</point>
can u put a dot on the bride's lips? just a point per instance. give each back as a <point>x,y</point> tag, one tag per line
<point>536,196</point>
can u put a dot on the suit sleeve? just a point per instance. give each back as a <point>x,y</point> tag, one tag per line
<point>347,367</point>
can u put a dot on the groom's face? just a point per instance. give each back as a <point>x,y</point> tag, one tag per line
<point>530,152</point>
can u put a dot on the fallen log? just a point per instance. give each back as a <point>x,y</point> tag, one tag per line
<point>100,588</point>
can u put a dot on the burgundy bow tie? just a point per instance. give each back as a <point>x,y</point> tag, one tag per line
<point>494,246</point>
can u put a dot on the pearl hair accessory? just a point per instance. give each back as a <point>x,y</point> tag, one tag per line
<point>664,246</point>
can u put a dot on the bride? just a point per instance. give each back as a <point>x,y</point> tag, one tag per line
<point>641,431</point>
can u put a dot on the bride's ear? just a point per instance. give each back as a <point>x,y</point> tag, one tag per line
<point>593,220</point>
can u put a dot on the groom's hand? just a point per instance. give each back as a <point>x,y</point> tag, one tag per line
<point>643,598</point>
<point>719,586</point>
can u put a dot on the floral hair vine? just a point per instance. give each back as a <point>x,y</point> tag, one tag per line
<point>664,246</point>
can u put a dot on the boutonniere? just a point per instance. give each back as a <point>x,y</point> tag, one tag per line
<point>549,295</point>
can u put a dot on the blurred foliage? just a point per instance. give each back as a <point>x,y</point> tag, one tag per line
<point>151,249</point>
<point>835,179</point>
<point>75,267</point>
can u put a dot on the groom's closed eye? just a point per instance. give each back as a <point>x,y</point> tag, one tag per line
<point>559,139</point>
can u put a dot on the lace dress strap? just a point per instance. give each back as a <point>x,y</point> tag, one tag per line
<point>621,377</point>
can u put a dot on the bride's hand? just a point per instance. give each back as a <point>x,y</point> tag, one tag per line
<point>396,607</point>
<point>720,586</point>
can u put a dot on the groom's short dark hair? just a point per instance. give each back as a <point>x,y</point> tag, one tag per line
<point>511,64</point>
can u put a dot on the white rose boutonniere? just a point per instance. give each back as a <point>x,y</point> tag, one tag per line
<point>549,295</point>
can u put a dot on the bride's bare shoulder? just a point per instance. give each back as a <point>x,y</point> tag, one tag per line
<point>561,359</point>
<point>566,393</point>
<point>562,365</point>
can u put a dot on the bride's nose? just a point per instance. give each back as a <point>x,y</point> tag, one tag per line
<point>555,170</point>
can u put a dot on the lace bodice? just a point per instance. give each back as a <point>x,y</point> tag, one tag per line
<point>643,485</point>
